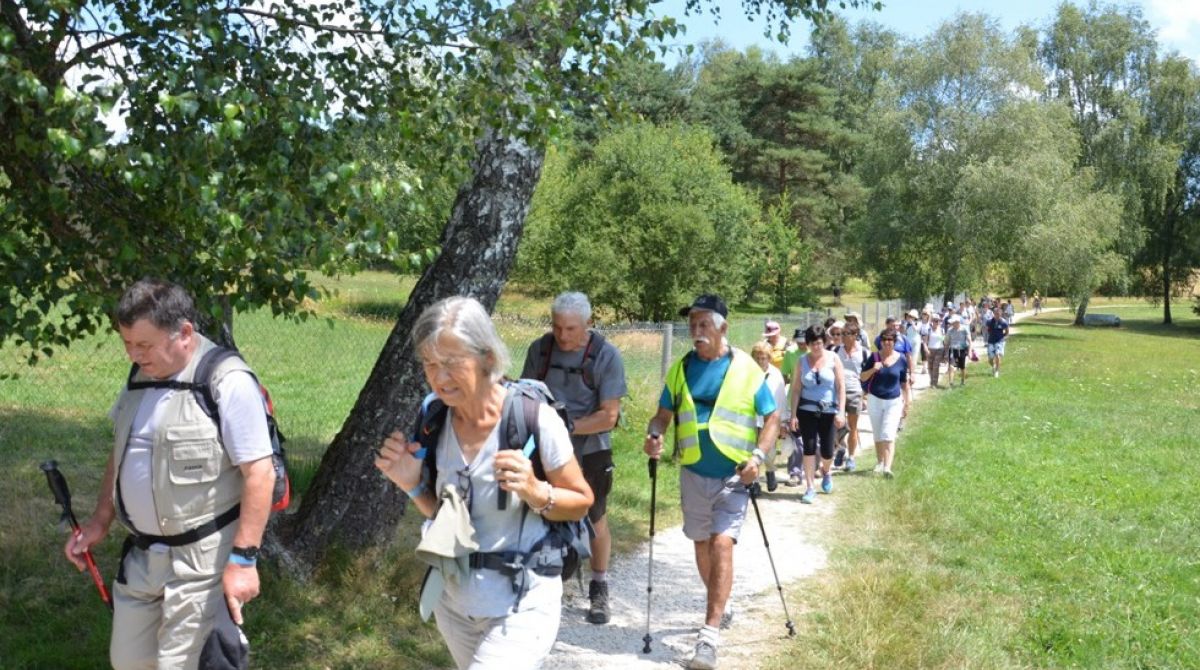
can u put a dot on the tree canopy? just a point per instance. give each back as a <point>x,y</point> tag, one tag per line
<point>653,206</point>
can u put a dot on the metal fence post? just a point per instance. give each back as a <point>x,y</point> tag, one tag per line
<point>668,338</point>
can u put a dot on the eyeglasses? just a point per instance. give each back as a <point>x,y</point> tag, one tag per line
<point>463,483</point>
<point>835,333</point>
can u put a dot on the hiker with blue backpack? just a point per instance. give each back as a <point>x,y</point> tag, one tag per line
<point>714,396</point>
<point>585,372</point>
<point>192,483</point>
<point>493,466</point>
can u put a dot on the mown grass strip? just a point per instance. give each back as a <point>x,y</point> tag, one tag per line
<point>1043,519</point>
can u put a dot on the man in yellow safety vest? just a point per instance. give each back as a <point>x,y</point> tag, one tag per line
<point>714,396</point>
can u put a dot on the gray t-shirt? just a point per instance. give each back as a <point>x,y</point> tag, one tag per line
<point>566,383</point>
<point>489,593</point>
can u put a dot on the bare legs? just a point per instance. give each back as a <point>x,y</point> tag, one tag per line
<point>714,560</point>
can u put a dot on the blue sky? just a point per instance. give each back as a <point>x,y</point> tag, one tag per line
<point>1176,21</point>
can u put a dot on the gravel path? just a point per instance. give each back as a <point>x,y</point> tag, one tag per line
<point>795,533</point>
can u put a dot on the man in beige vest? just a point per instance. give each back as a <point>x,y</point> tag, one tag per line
<point>194,496</point>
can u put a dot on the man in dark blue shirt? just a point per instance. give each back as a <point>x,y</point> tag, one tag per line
<point>997,331</point>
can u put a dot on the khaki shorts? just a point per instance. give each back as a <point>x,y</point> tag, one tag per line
<point>711,506</point>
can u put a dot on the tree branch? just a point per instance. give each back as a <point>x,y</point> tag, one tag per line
<point>84,54</point>
<point>307,24</point>
<point>12,16</point>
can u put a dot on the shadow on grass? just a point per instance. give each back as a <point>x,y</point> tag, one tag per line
<point>375,310</point>
<point>51,615</point>
<point>1189,330</point>
<point>1039,336</point>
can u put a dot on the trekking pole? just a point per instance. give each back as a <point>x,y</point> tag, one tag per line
<point>754,491</point>
<point>652,464</point>
<point>62,496</point>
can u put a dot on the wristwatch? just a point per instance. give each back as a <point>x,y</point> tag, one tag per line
<point>248,553</point>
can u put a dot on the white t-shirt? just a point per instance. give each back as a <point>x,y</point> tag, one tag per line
<point>489,593</point>
<point>936,337</point>
<point>243,434</point>
<point>779,391</point>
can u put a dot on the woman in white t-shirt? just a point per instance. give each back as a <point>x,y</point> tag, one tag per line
<point>936,341</point>
<point>762,352</point>
<point>483,622</point>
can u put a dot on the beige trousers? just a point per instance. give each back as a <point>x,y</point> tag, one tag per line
<point>164,611</point>
<point>519,641</point>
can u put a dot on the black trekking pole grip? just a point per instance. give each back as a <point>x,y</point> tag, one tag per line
<point>62,493</point>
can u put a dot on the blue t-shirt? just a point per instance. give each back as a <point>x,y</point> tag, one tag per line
<point>886,382</point>
<point>704,380</point>
<point>997,330</point>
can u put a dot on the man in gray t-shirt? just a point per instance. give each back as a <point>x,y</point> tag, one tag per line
<point>585,373</point>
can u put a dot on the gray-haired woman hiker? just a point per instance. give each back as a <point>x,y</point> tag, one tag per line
<point>488,619</point>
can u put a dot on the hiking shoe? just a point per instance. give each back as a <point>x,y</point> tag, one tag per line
<point>839,458</point>
<point>726,617</point>
<point>849,465</point>
<point>598,594</point>
<point>704,658</point>
<point>827,483</point>
<point>808,497</point>
<point>772,481</point>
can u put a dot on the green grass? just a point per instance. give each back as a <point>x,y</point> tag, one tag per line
<point>1045,519</point>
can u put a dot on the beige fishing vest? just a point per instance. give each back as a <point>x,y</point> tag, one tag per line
<point>192,477</point>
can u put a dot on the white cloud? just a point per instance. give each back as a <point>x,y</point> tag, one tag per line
<point>1178,25</point>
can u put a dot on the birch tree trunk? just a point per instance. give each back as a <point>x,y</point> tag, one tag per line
<point>349,502</point>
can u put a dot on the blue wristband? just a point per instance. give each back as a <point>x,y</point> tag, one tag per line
<point>243,561</point>
<point>417,491</point>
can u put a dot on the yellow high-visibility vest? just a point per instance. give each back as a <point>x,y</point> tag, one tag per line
<point>732,425</point>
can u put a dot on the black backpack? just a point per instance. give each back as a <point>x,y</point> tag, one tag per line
<point>281,497</point>
<point>566,543</point>
<point>587,369</point>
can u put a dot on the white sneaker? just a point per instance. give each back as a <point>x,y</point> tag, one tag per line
<point>704,658</point>
<point>727,617</point>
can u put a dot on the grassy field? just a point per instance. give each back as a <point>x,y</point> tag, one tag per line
<point>1045,519</point>
<point>360,610</point>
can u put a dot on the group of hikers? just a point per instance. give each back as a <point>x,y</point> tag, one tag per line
<point>513,476</point>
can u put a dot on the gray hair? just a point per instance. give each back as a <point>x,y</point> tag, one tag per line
<point>717,319</point>
<point>572,302</point>
<point>165,304</point>
<point>468,321</point>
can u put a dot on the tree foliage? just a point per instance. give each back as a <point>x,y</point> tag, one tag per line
<point>649,219</point>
